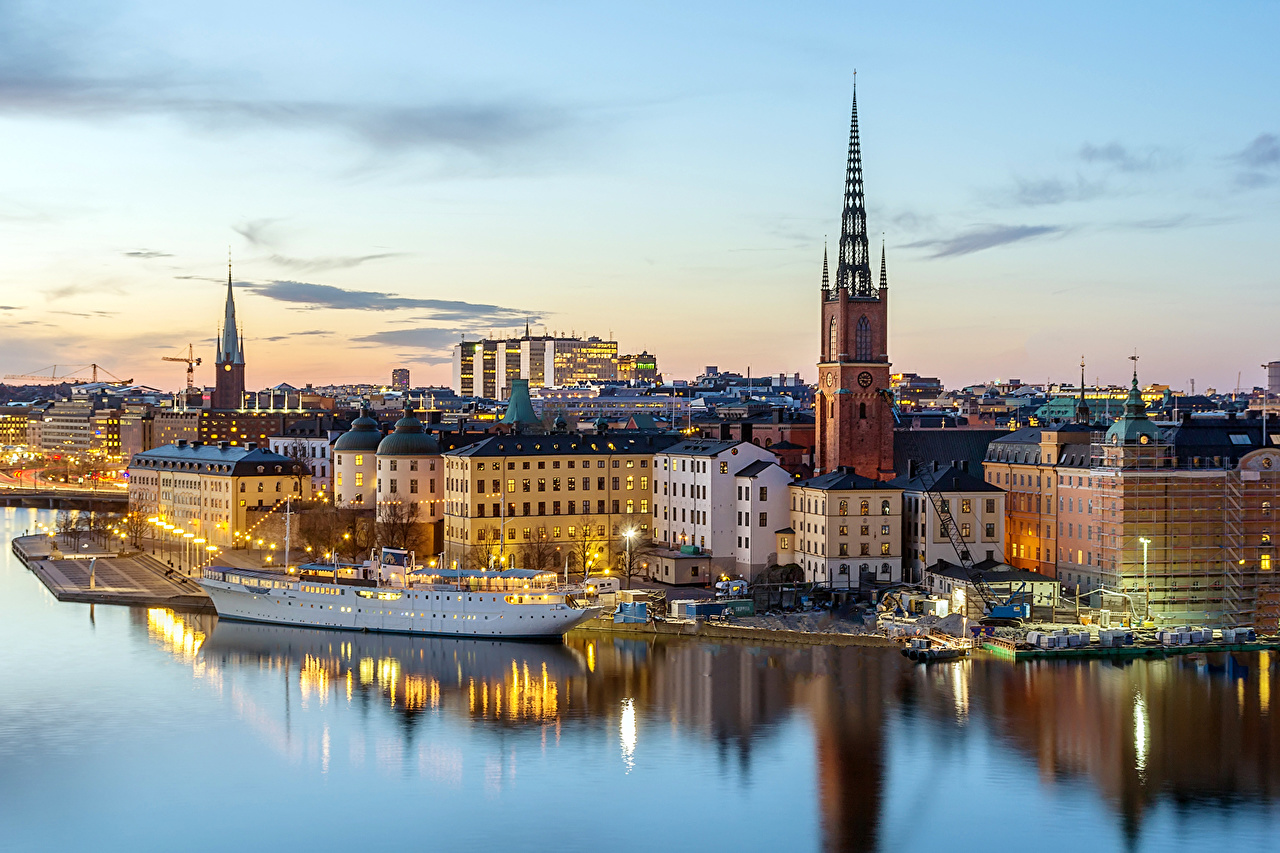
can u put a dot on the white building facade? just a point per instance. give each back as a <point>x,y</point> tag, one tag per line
<point>714,496</point>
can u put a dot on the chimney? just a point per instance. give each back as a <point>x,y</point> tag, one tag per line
<point>223,445</point>
<point>1186,418</point>
<point>182,442</point>
<point>725,433</point>
<point>250,445</point>
<point>746,431</point>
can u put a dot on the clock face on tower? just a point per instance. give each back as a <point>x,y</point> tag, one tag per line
<point>226,367</point>
<point>830,379</point>
<point>864,379</point>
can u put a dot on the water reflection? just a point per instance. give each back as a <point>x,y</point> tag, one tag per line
<point>1182,732</point>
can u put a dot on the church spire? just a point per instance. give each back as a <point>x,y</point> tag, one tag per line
<point>1083,415</point>
<point>229,351</point>
<point>884,270</point>
<point>826,278</point>
<point>853,270</point>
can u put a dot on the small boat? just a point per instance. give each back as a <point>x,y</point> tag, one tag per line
<point>936,648</point>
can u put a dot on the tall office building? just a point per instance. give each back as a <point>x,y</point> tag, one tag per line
<point>400,379</point>
<point>487,368</point>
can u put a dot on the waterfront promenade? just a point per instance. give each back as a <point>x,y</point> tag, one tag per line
<point>133,580</point>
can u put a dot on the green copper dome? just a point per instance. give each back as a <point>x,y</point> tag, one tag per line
<point>363,435</point>
<point>1133,427</point>
<point>409,439</point>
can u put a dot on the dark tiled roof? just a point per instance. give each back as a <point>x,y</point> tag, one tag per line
<point>991,571</point>
<point>756,468</point>
<point>215,459</point>
<point>701,447</point>
<point>844,480</point>
<point>948,479</point>
<point>533,445</point>
<point>944,446</point>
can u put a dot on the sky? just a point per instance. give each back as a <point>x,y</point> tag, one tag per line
<point>1049,181</point>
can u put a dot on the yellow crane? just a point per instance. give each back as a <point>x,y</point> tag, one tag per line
<point>50,375</point>
<point>191,362</point>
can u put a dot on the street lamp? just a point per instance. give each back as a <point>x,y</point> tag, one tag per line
<point>1146,588</point>
<point>627,534</point>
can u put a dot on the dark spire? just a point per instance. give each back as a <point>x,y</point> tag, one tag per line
<point>229,350</point>
<point>884,270</point>
<point>853,272</point>
<point>1083,416</point>
<point>826,279</point>
<point>526,327</point>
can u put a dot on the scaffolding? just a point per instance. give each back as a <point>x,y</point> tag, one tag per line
<point>1206,526</point>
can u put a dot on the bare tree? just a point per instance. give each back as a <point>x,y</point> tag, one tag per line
<point>321,529</point>
<point>135,519</point>
<point>398,525</point>
<point>488,552</point>
<point>634,562</point>
<point>359,534</point>
<point>299,451</point>
<point>586,549</point>
<point>538,553</point>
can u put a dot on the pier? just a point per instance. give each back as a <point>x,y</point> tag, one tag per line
<point>136,580</point>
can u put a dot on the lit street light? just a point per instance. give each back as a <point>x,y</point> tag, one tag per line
<point>1146,588</point>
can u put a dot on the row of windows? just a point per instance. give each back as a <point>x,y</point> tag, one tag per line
<point>571,508</point>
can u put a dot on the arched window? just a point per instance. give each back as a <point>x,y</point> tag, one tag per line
<point>862,410</point>
<point>844,507</point>
<point>863,339</point>
<point>866,508</point>
<point>833,336</point>
<point>884,507</point>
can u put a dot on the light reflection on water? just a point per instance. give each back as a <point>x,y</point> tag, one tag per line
<point>736,747</point>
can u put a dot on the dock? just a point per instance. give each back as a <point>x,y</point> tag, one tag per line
<point>135,580</point>
<point>704,630</point>
<point>1146,649</point>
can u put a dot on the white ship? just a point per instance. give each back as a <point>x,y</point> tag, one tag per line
<point>513,604</point>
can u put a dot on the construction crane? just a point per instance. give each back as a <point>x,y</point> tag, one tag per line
<point>191,362</point>
<point>50,375</point>
<point>995,611</point>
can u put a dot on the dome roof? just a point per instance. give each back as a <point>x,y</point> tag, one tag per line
<point>363,435</point>
<point>1134,427</point>
<point>409,440</point>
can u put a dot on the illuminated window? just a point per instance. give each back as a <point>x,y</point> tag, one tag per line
<point>832,340</point>
<point>1266,563</point>
<point>865,508</point>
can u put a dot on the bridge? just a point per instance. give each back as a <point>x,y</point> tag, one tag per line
<point>86,499</point>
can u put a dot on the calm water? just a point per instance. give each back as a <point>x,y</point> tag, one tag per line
<point>147,730</point>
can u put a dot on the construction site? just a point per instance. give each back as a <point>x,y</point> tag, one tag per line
<point>1187,542</point>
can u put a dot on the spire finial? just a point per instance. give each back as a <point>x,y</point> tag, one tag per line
<point>884,270</point>
<point>853,270</point>
<point>1134,359</point>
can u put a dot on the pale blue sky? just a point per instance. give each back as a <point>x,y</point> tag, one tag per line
<point>1050,182</point>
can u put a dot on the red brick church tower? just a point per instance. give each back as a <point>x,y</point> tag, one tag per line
<point>854,403</point>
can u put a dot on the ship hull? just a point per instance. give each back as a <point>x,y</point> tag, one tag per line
<point>425,612</point>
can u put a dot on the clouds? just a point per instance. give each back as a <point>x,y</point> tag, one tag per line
<point>316,296</point>
<point>320,333</point>
<point>1029,193</point>
<point>62,70</point>
<point>983,237</point>
<point>331,263</point>
<point>1151,158</point>
<point>147,254</point>
<point>1259,162</point>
